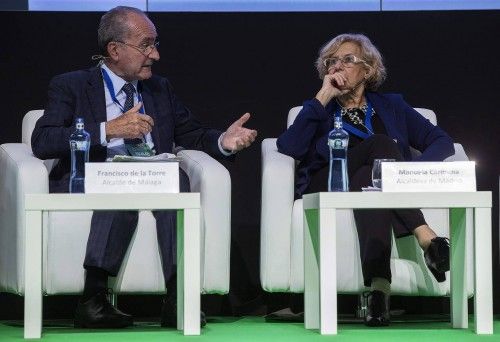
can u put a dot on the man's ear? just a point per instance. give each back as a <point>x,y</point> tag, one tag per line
<point>112,49</point>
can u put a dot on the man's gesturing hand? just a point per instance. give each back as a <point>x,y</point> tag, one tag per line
<point>129,125</point>
<point>238,137</point>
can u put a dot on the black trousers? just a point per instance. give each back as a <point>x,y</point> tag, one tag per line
<point>374,225</point>
<point>112,231</point>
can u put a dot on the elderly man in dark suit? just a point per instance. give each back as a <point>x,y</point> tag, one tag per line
<point>122,104</point>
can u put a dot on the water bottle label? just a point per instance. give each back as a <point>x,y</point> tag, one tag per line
<point>336,143</point>
<point>79,145</point>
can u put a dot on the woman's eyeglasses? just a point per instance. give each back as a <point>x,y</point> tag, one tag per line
<point>347,61</point>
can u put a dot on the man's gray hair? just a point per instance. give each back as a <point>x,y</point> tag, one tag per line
<point>114,26</point>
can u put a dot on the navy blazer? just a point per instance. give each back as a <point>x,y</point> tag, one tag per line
<point>81,94</point>
<point>306,139</point>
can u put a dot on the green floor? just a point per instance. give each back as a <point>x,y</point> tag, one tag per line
<point>254,329</point>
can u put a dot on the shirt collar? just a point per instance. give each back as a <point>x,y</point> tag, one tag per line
<point>117,81</point>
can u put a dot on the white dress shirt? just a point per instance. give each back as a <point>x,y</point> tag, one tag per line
<point>113,110</point>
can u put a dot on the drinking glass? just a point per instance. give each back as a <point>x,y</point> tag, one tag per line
<point>377,172</point>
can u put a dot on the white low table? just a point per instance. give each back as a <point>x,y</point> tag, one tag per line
<point>320,293</point>
<point>188,247</point>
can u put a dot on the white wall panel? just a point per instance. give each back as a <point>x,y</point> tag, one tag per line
<point>83,6</point>
<point>430,5</point>
<point>263,5</point>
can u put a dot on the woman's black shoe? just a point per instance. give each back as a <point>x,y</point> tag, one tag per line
<point>378,309</point>
<point>437,257</point>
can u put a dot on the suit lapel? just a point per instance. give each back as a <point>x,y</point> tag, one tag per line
<point>149,109</point>
<point>95,96</point>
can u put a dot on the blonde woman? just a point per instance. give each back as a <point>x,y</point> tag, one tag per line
<point>379,126</point>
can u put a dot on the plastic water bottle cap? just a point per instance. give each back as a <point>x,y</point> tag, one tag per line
<point>79,123</point>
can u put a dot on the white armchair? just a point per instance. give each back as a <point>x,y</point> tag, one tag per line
<point>282,251</point>
<point>66,233</point>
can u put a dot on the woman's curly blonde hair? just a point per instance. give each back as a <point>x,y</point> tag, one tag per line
<point>369,53</point>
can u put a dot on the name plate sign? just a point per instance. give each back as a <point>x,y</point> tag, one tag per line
<point>132,177</point>
<point>428,176</point>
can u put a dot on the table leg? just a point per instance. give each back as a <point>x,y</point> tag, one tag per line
<point>188,271</point>
<point>33,275</point>
<point>483,297</point>
<point>180,269</point>
<point>458,281</point>
<point>311,269</point>
<point>328,271</point>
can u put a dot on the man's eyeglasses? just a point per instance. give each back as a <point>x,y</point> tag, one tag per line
<point>347,61</point>
<point>144,49</point>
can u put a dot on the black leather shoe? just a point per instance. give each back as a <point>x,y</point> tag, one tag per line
<point>437,257</point>
<point>169,313</point>
<point>378,309</point>
<point>97,312</point>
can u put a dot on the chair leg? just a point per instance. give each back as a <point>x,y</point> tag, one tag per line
<point>113,299</point>
<point>362,308</point>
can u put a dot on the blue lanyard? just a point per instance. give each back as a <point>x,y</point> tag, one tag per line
<point>111,90</point>
<point>368,122</point>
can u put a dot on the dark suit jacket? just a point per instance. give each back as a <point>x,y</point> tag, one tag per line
<point>306,139</point>
<point>81,94</point>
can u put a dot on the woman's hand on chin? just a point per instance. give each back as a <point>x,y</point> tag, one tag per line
<point>331,88</point>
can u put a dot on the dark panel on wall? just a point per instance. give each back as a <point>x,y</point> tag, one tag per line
<point>14,5</point>
<point>222,65</point>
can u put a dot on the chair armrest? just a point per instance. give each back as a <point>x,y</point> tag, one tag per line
<point>212,180</point>
<point>20,173</point>
<point>278,174</point>
<point>21,167</point>
<point>276,210</point>
<point>459,154</point>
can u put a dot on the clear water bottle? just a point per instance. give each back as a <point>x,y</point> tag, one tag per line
<point>79,143</point>
<point>338,140</point>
